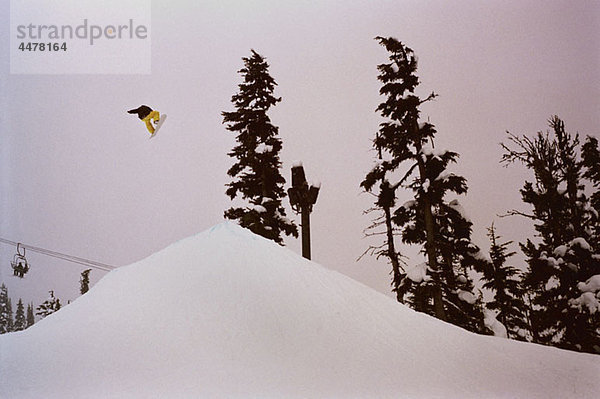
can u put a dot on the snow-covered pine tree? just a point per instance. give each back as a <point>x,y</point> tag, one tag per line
<point>505,282</point>
<point>455,253</point>
<point>20,321</point>
<point>50,305</point>
<point>591,164</point>
<point>5,310</point>
<point>256,172</point>
<point>394,143</point>
<point>11,321</point>
<point>407,159</point>
<point>84,281</point>
<point>561,268</point>
<point>458,257</point>
<point>30,316</point>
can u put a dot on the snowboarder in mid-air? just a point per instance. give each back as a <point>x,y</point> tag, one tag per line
<point>147,114</point>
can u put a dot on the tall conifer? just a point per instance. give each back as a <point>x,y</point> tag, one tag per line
<point>20,321</point>
<point>30,316</point>
<point>408,159</point>
<point>84,281</point>
<point>504,281</point>
<point>565,310</point>
<point>256,172</point>
<point>49,306</point>
<point>5,310</point>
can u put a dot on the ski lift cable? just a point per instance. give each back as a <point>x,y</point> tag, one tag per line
<point>58,255</point>
<point>69,258</point>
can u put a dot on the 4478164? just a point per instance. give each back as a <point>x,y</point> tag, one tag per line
<point>49,46</point>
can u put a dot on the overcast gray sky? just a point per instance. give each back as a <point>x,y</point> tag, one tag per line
<point>80,176</point>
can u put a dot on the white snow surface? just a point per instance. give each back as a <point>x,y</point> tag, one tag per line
<point>455,204</point>
<point>493,324</point>
<point>418,273</point>
<point>228,314</point>
<point>428,150</point>
<point>587,301</point>
<point>590,299</point>
<point>580,241</point>
<point>262,148</point>
<point>444,176</point>
<point>592,284</point>
<point>315,183</point>
<point>259,208</point>
<point>409,204</point>
<point>561,250</point>
<point>467,296</point>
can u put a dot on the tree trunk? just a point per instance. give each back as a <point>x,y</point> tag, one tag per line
<point>391,252</point>
<point>430,247</point>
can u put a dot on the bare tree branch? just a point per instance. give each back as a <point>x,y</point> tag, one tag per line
<point>514,212</point>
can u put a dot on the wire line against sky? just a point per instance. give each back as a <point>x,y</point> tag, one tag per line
<point>58,255</point>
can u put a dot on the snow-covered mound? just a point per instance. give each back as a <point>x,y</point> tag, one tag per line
<point>228,314</point>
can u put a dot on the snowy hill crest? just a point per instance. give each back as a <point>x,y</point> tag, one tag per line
<point>226,313</point>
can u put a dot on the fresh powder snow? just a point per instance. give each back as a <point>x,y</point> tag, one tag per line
<point>581,242</point>
<point>418,273</point>
<point>467,296</point>
<point>455,204</point>
<point>591,295</point>
<point>493,324</point>
<point>228,314</point>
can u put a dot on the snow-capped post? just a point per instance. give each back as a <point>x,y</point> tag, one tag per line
<point>302,198</point>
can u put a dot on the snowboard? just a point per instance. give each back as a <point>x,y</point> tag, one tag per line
<point>162,120</point>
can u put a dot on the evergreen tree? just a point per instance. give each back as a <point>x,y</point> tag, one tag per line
<point>256,172</point>
<point>30,316</point>
<point>407,159</point>
<point>505,282</point>
<point>84,281</point>
<point>567,226</point>
<point>11,322</point>
<point>397,143</point>
<point>50,305</point>
<point>455,253</point>
<point>5,310</point>
<point>591,164</point>
<point>458,256</point>
<point>20,321</point>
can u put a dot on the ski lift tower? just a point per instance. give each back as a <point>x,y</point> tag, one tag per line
<point>302,198</point>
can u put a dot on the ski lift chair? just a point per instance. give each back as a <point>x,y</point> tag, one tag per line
<point>19,263</point>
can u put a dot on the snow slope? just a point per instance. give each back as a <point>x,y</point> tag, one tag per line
<point>228,314</point>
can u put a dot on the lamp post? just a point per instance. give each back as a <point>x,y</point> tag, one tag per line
<point>302,198</point>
